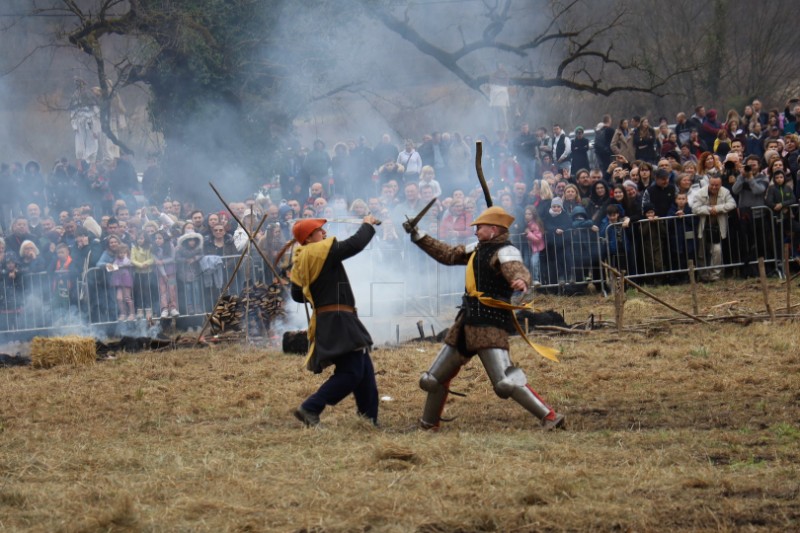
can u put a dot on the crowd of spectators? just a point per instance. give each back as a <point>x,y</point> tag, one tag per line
<point>95,239</point>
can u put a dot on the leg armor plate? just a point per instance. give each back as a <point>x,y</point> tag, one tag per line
<point>436,382</point>
<point>510,382</point>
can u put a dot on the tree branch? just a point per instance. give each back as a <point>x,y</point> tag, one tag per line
<point>340,88</point>
<point>573,71</point>
<point>404,30</point>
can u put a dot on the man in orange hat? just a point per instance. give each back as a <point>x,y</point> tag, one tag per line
<point>495,270</point>
<point>336,336</point>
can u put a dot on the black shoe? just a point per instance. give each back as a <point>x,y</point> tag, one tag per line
<point>306,417</point>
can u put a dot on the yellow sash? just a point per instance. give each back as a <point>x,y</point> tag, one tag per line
<point>472,290</point>
<point>308,261</point>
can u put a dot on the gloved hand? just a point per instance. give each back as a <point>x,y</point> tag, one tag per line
<point>416,233</point>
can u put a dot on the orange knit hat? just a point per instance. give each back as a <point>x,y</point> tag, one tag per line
<point>304,227</point>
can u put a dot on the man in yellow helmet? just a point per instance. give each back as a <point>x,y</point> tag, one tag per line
<point>336,335</point>
<point>495,270</point>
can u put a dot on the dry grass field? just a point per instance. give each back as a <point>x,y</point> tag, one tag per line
<point>672,426</point>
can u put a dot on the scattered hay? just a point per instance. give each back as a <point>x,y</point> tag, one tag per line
<point>47,352</point>
<point>391,451</point>
<point>169,431</point>
<point>119,515</point>
<point>637,308</point>
<point>534,499</point>
<point>696,483</point>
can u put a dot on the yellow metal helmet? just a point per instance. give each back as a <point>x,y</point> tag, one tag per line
<point>494,216</point>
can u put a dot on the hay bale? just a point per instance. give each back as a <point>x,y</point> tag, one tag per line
<point>47,352</point>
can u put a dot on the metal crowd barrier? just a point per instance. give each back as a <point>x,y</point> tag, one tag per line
<point>194,298</point>
<point>570,258</point>
<point>397,272</point>
<point>36,302</point>
<point>788,238</point>
<point>661,249</point>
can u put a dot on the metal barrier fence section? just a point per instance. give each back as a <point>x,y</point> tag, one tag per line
<point>153,294</point>
<point>36,302</point>
<point>569,257</point>
<point>661,248</point>
<point>394,273</point>
<point>789,234</point>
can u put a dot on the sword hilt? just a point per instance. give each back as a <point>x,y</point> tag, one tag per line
<point>408,225</point>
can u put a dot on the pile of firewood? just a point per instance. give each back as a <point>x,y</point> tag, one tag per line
<point>263,303</point>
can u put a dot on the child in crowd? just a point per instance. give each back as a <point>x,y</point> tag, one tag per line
<point>122,281</point>
<point>779,197</point>
<point>681,232</point>
<point>187,258</point>
<point>62,280</point>
<point>585,244</point>
<point>681,206</point>
<point>615,228</point>
<point>558,262</point>
<point>651,231</point>
<point>426,177</point>
<point>535,234</point>
<point>581,220</point>
<point>164,260</point>
<point>143,260</point>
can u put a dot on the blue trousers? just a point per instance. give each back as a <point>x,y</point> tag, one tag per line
<point>353,373</point>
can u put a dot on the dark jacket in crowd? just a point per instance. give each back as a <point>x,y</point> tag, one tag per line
<point>660,198</point>
<point>646,145</point>
<point>580,154</point>
<point>123,179</point>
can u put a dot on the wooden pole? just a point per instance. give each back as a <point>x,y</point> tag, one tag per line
<point>656,298</point>
<point>762,274</point>
<point>224,290</point>
<point>793,276</point>
<point>250,236</point>
<point>565,330</point>
<point>693,285</point>
<point>786,250</point>
<point>619,304</point>
<point>621,282</point>
<point>248,269</point>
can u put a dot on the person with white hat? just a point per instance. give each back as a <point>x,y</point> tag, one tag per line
<point>495,270</point>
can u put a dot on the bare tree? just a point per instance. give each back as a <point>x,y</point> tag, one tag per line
<point>739,50</point>
<point>84,25</point>
<point>762,51</point>
<point>572,46</point>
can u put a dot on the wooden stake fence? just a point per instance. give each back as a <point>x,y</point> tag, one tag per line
<point>653,296</point>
